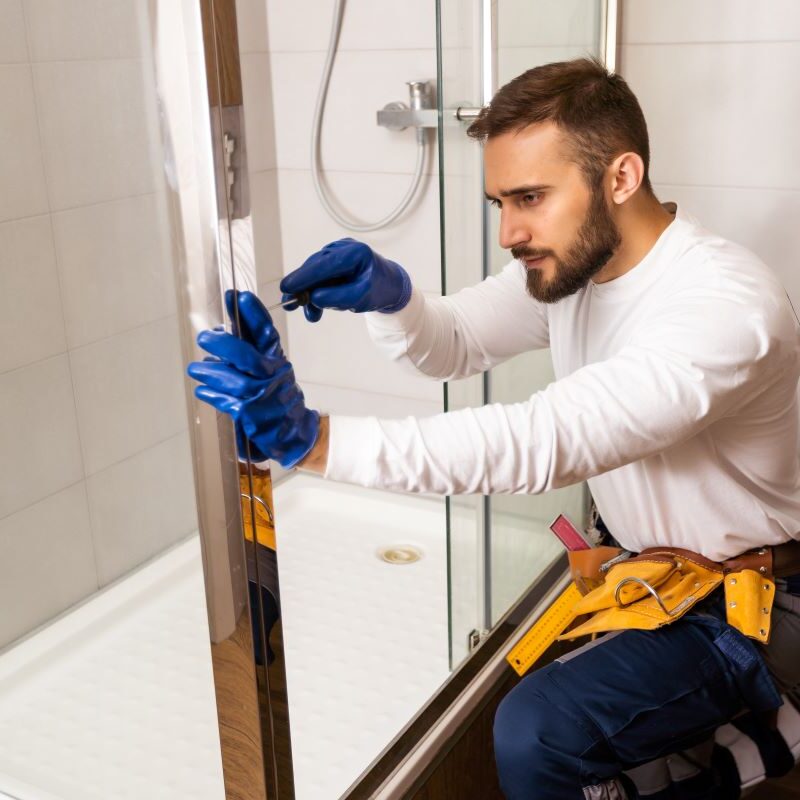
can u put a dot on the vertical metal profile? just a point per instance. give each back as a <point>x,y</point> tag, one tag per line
<point>609,33</point>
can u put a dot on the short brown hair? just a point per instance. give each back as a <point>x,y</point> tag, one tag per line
<point>595,108</point>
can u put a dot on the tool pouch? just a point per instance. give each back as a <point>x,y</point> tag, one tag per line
<point>660,585</point>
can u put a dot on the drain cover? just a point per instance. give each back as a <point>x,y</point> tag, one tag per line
<point>400,554</point>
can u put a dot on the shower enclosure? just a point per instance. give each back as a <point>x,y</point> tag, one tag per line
<point>177,622</point>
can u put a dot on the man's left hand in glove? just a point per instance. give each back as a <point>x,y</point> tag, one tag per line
<point>250,378</point>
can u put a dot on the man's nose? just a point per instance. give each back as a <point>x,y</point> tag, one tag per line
<point>512,230</point>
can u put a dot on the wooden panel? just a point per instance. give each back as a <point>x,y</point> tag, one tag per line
<point>228,78</point>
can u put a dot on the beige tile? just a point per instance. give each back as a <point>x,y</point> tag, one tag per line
<point>30,305</point>
<point>266,225</point>
<point>763,220</point>
<point>129,391</point>
<point>251,21</point>
<point>96,121</point>
<point>116,267</point>
<point>39,448</point>
<point>297,25</point>
<point>60,31</point>
<point>13,47</point>
<point>357,402</point>
<point>259,123</point>
<point>46,561</point>
<point>361,84</point>
<point>141,506</point>
<point>513,61</point>
<point>719,115</point>
<point>649,21</point>
<point>24,190</point>
<point>412,241</point>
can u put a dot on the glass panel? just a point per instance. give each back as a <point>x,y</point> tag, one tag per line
<point>521,544</point>
<point>106,685</point>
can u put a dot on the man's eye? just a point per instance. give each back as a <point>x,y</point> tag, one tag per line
<point>530,199</point>
<point>496,203</point>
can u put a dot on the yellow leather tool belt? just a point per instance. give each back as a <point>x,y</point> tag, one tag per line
<point>661,584</point>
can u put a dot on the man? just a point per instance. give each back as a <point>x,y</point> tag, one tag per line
<point>677,360</point>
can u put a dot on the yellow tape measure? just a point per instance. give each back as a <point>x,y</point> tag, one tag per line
<point>545,630</point>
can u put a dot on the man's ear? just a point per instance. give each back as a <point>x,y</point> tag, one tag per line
<point>627,174</point>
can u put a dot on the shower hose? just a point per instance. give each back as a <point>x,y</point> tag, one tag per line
<point>344,221</point>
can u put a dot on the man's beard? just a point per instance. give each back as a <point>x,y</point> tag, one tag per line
<point>596,241</point>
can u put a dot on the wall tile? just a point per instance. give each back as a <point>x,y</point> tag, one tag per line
<point>338,351</point>
<point>96,120</point>
<point>356,402</point>
<point>13,47</point>
<point>719,115</point>
<point>361,84</point>
<point>115,266</point>
<point>129,391</point>
<point>412,241</point>
<point>141,506</point>
<point>46,561</point>
<point>30,306</point>
<point>763,220</point>
<point>648,21</point>
<point>259,124</point>
<point>21,169</point>
<point>39,448</point>
<point>266,225</point>
<point>521,23</point>
<point>297,25</point>
<point>251,22</point>
<point>60,31</point>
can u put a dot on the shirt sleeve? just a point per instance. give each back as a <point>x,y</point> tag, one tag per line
<point>695,362</point>
<point>465,333</point>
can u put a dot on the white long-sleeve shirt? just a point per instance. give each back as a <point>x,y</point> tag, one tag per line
<point>675,398</point>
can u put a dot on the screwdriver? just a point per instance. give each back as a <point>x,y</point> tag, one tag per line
<point>302,299</point>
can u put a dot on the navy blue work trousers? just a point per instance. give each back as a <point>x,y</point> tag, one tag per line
<point>624,700</point>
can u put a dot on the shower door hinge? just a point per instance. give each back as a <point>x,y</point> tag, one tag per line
<point>475,637</point>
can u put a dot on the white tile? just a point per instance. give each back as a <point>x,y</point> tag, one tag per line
<point>763,220</point>
<point>28,291</point>
<point>719,115</point>
<point>129,391</point>
<point>264,200</point>
<point>251,23</point>
<point>60,31</point>
<point>13,47</point>
<point>46,561</point>
<point>521,23</point>
<point>98,143</point>
<point>648,21</point>
<point>116,267</point>
<point>21,169</point>
<point>412,241</point>
<point>338,351</point>
<point>39,448</point>
<point>357,402</point>
<point>298,25</point>
<point>259,124</point>
<point>361,84</point>
<point>141,506</point>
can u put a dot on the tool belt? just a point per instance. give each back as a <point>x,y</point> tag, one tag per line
<point>660,584</point>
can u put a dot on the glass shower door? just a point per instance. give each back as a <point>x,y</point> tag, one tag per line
<point>498,545</point>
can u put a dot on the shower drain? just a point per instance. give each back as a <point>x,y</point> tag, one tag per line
<point>400,554</point>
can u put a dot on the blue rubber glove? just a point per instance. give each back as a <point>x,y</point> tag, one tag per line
<point>250,378</point>
<point>348,275</point>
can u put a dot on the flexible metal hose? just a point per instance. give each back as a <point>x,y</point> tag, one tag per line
<point>345,222</point>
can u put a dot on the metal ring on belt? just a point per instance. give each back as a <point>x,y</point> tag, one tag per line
<point>647,586</point>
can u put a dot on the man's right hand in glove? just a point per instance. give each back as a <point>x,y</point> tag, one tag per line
<point>348,275</point>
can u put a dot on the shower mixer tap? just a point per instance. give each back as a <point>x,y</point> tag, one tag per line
<point>419,113</point>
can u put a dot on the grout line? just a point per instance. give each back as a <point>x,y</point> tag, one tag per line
<point>723,186</point>
<point>78,207</point>
<point>86,478</point>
